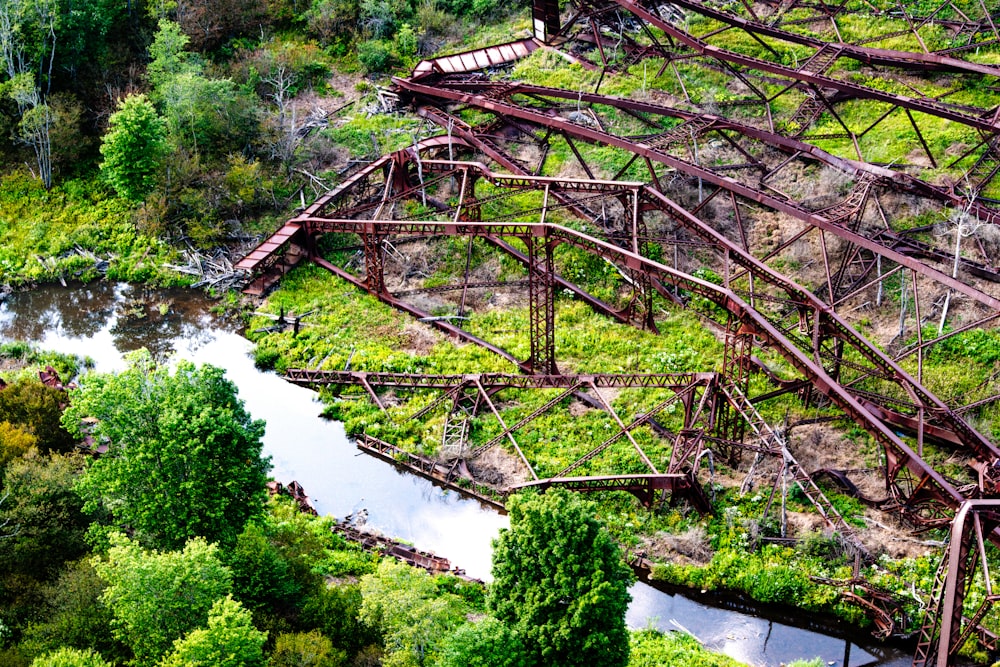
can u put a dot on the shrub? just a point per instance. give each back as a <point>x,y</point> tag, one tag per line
<point>376,55</point>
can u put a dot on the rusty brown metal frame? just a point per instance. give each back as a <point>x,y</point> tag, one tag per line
<point>476,389</point>
<point>665,205</point>
<point>947,626</point>
<point>923,61</point>
<point>916,487</point>
<point>900,456</point>
<point>958,23</point>
<point>441,91</point>
<point>845,213</point>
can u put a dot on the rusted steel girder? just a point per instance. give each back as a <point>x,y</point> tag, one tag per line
<point>946,14</point>
<point>541,305</point>
<point>808,77</point>
<point>947,626</point>
<point>814,219</point>
<point>868,55</point>
<point>702,123</point>
<point>965,116</point>
<point>928,484</point>
<point>319,378</point>
<point>466,403</point>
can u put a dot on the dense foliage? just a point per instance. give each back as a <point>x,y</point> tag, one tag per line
<point>560,583</point>
<point>184,457</point>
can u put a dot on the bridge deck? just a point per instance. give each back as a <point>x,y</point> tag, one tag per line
<point>273,243</point>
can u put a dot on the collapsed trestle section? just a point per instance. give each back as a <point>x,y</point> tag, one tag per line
<point>802,329</point>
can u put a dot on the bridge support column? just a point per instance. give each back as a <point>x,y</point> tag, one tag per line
<point>541,305</point>
<point>374,263</point>
<point>545,19</point>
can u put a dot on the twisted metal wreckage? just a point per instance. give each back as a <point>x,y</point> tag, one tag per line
<point>722,174</point>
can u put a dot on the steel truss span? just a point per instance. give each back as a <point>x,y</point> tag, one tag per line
<point>831,357</point>
<point>812,338</point>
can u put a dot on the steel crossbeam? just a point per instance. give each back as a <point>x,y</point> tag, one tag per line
<point>498,380</point>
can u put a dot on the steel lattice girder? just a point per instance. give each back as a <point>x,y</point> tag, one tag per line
<point>680,479</point>
<point>864,54</point>
<point>946,627</point>
<point>978,119</point>
<point>821,91</point>
<point>946,14</point>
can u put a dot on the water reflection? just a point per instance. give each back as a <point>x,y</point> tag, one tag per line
<point>755,641</point>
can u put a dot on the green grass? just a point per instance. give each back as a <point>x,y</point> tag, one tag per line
<point>42,231</point>
<point>650,648</point>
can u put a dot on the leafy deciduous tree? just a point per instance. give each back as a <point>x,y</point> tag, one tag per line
<point>36,409</point>
<point>133,148</point>
<point>73,615</point>
<point>44,511</point>
<point>559,581</point>
<point>168,54</point>
<point>230,640</point>
<point>184,456</point>
<point>158,597</point>
<point>413,615</point>
<point>70,657</point>
<point>488,643</point>
<point>305,649</point>
<point>14,442</point>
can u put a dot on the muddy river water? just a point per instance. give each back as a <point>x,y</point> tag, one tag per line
<point>91,321</point>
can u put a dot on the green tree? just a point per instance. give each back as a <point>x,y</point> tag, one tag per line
<point>36,409</point>
<point>412,614</point>
<point>305,649</point>
<point>335,611</point>
<point>14,443</point>
<point>70,657</point>
<point>184,455</point>
<point>45,513</point>
<point>264,578</point>
<point>133,148</point>
<point>42,525</point>
<point>158,597</point>
<point>209,116</point>
<point>559,581</point>
<point>488,643</point>
<point>168,55</point>
<point>73,616</point>
<point>229,641</point>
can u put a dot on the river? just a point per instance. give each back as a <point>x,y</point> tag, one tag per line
<point>93,321</point>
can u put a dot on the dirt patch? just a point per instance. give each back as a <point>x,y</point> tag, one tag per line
<point>498,468</point>
<point>419,339</point>
<point>691,547</point>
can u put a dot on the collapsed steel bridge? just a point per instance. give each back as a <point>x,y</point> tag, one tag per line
<point>759,305</point>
